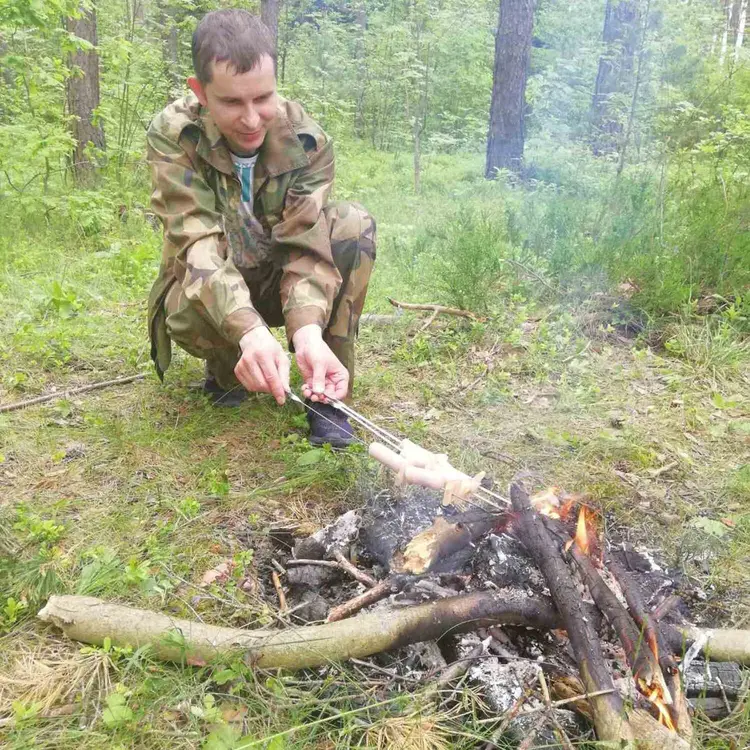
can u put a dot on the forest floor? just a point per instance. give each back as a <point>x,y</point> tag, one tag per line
<point>134,493</point>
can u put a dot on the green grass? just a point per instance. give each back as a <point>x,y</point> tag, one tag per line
<point>133,493</point>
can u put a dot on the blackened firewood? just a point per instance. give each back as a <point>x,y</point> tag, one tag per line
<point>608,711</point>
<point>653,632</point>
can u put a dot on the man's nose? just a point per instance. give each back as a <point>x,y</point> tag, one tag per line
<point>251,118</point>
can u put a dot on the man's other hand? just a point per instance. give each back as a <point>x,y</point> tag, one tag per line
<point>264,365</point>
<point>324,376</point>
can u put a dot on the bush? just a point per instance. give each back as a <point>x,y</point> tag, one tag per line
<point>467,260</point>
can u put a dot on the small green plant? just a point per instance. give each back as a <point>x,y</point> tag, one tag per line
<point>469,258</point>
<point>25,714</point>
<point>117,712</point>
<point>37,530</point>
<point>188,507</point>
<point>11,612</point>
<point>65,302</point>
<point>215,482</point>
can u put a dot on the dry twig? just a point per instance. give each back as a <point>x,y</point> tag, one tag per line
<point>70,392</point>
<point>435,310</point>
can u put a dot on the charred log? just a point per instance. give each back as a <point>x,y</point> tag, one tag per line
<point>654,635</point>
<point>607,710</point>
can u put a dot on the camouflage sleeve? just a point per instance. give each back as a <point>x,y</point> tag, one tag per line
<point>195,245</point>
<point>310,280</point>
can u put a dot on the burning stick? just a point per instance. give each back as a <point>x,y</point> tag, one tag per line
<point>607,708</point>
<point>610,721</point>
<point>678,713</point>
<point>638,651</point>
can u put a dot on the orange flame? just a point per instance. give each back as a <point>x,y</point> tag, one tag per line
<point>657,699</point>
<point>582,534</point>
<point>547,502</point>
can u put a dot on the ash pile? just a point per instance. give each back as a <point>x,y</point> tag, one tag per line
<point>407,549</point>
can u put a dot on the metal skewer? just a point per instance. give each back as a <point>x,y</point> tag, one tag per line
<point>390,440</point>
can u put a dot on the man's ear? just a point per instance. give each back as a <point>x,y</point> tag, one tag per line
<point>198,89</point>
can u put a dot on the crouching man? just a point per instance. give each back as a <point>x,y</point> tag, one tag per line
<point>241,183</point>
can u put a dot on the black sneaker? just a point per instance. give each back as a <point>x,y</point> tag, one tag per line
<point>219,397</point>
<point>328,425</point>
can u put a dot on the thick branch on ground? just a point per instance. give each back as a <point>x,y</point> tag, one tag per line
<point>91,620</point>
<point>436,309</point>
<point>608,710</point>
<point>718,645</point>
<point>653,633</point>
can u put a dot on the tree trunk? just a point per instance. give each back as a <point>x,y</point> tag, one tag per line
<point>620,38</point>
<point>728,8</point>
<point>269,14</point>
<point>360,20</point>
<point>512,50</point>
<point>83,96</point>
<point>741,18</point>
<point>170,49</point>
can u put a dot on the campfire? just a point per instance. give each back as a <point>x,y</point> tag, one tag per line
<point>526,598</point>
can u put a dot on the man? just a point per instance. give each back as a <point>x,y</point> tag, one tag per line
<point>242,179</point>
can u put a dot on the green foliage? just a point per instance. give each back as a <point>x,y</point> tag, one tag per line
<point>469,259</point>
<point>739,484</point>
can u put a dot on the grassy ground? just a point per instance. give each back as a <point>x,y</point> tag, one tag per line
<point>134,493</point>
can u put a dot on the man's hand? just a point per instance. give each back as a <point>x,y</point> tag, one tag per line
<point>264,365</point>
<point>325,377</point>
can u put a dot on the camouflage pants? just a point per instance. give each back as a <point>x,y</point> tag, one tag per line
<point>352,232</point>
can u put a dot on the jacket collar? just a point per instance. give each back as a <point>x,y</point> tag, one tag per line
<point>280,152</point>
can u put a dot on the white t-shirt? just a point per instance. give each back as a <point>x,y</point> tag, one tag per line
<point>244,166</point>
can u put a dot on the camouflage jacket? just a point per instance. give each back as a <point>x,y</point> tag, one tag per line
<point>208,247</point>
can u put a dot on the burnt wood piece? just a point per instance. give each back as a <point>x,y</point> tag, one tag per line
<point>607,710</point>
<point>442,540</point>
<point>714,680</point>
<point>654,635</point>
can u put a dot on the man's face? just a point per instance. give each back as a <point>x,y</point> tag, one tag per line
<point>241,104</point>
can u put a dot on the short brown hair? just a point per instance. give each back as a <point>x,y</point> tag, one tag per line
<point>230,35</point>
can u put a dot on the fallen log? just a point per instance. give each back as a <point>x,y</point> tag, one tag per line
<point>91,620</point>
